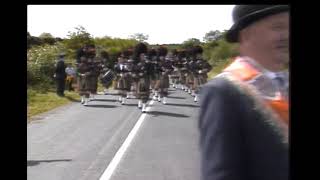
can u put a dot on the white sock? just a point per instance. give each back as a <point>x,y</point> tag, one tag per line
<point>193,93</point>
<point>86,100</point>
<point>164,100</point>
<point>139,104</point>
<point>144,108</point>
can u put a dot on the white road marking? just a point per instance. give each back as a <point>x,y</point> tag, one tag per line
<point>116,159</point>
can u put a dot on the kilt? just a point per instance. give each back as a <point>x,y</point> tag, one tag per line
<point>175,76</point>
<point>153,80</point>
<point>143,90</point>
<point>91,82</point>
<point>203,79</point>
<point>190,80</point>
<point>196,82</point>
<point>82,87</point>
<point>183,77</point>
<point>164,81</point>
<point>123,83</point>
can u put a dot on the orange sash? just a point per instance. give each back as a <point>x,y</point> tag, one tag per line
<point>244,71</point>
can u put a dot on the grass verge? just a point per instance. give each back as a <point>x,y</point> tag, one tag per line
<point>39,101</point>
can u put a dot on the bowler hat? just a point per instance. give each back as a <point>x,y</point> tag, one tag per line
<point>244,15</point>
<point>62,55</point>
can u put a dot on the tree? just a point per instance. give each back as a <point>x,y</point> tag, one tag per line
<point>213,36</point>
<point>191,43</point>
<point>106,37</point>
<point>139,37</point>
<point>47,38</point>
<point>222,51</point>
<point>78,38</point>
<point>224,33</point>
<point>32,41</point>
<point>46,35</point>
<point>57,39</point>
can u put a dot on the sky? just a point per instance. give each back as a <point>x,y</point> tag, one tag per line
<point>164,24</point>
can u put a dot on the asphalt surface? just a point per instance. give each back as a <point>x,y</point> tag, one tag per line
<point>75,142</point>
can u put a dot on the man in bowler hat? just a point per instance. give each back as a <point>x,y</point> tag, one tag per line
<point>244,110</point>
<point>60,74</point>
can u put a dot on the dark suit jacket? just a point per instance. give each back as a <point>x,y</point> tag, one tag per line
<point>237,142</point>
<point>60,70</point>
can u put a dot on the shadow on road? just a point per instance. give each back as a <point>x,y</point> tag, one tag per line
<point>183,105</point>
<point>109,100</point>
<point>176,97</point>
<point>112,94</point>
<point>130,105</point>
<point>37,162</point>
<point>158,113</point>
<point>100,106</point>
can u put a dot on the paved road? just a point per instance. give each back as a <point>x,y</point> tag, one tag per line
<point>78,143</point>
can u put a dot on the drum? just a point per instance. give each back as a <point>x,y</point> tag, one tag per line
<point>107,77</point>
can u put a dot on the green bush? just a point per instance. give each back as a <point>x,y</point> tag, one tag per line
<point>219,54</point>
<point>41,59</point>
<point>41,65</point>
<point>218,67</point>
<point>216,52</point>
<point>114,45</point>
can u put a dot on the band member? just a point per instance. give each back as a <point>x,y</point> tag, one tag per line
<point>83,71</point>
<point>95,68</point>
<point>174,76</point>
<point>123,82</point>
<point>166,69</point>
<point>155,80</point>
<point>144,70</point>
<point>191,65</point>
<point>201,68</point>
<point>152,56</point>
